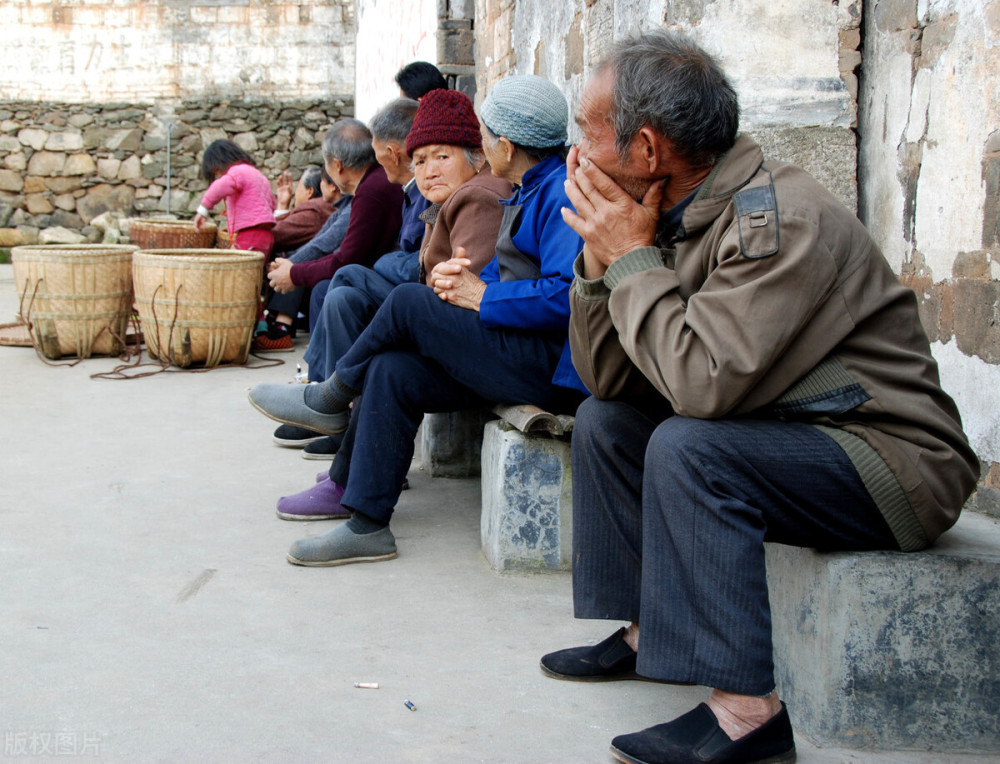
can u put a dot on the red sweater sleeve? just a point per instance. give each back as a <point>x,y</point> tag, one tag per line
<point>376,215</point>
<point>300,225</point>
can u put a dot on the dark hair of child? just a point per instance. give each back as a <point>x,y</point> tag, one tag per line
<point>220,156</point>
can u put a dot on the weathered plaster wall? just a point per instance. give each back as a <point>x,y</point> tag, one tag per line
<point>121,50</point>
<point>792,62</point>
<point>392,33</point>
<point>930,179</point>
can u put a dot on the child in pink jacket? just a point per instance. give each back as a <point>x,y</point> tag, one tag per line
<point>249,200</point>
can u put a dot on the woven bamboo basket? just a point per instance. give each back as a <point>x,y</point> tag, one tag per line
<point>198,305</point>
<point>170,234</point>
<point>222,240</point>
<point>75,298</point>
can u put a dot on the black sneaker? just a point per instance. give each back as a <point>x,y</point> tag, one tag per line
<point>323,448</point>
<point>290,436</point>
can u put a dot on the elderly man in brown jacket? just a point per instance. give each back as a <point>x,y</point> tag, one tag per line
<point>758,374</point>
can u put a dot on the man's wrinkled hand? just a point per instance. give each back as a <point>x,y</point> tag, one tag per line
<point>610,222</point>
<point>280,275</point>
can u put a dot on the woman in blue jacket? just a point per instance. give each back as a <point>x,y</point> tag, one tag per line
<point>467,342</point>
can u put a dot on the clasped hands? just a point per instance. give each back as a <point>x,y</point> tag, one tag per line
<point>279,275</point>
<point>610,222</point>
<point>453,282</point>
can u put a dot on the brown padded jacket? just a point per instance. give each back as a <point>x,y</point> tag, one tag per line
<point>469,218</point>
<point>773,301</point>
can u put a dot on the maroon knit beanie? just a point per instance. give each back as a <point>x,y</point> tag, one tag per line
<point>444,117</point>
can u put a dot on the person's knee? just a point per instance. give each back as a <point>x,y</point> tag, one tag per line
<point>347,275</point>
<point>412,304</point>
<point>680,444</point>
<point>341,301</point>
<point>599,424</point>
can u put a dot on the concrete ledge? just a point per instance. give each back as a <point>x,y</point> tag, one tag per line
<point>450,444</point>
<point>526,519</point>
<point>882,650</point>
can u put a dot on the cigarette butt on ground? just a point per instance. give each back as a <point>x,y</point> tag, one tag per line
<point>366,685</point>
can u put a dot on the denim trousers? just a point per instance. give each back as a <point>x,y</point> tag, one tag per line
<point>350,302</point>
<point>418,355</point>
<point>670,516</point>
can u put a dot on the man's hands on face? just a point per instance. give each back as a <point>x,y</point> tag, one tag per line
<point>453,282</point>
<point>610,222</point>
<point>279,275</point>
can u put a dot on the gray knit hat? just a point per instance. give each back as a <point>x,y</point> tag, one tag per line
<point>527,110</point>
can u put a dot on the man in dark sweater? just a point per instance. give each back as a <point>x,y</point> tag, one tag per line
<point>376,210</point>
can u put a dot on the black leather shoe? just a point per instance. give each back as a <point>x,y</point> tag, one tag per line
<point>696,737</point>
<point>606,661</point>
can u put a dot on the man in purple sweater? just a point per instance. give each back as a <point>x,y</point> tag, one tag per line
<point>376,210</point>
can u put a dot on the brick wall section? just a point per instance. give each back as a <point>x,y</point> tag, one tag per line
<point>64,164</point>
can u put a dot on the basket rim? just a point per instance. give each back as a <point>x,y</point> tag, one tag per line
<point>198,254</point>
<point>187,225</point>
<point>74,249</point>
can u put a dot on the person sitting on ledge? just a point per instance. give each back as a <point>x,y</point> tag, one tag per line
<point>452,174</point>
<point>758,374</point>
<point>462,342</point>
<point>372,227</point>
<point>389,128</point>
<point>302,212</point>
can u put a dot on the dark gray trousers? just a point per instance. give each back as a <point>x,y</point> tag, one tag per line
<point>670,516</point>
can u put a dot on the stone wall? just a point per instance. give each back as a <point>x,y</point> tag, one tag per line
<point>930,189</point>
<point>124,50</point>
<point>61,165</point>
<point>795,79</point>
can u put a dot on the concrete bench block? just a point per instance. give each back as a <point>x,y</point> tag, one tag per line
<point>883,650</point>
<point>526,519</point>
<point>450,444</point>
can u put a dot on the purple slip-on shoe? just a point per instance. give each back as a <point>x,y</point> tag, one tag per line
<point>318,502</point>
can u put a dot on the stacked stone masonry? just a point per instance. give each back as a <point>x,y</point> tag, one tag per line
<point>62,165</point>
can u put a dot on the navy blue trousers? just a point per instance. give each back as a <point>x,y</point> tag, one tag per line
<point>670,516</point>
<point>354,294</point>
<point>420,354</point>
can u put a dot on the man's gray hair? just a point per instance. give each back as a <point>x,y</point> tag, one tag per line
<point>394,120</point>
<point>350,142</point>
<point>664,80</point>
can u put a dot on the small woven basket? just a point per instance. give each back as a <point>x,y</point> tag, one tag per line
<point>170,234</point>
<point>198,305</point>
<point>222,240</point>
<point>75,298</point>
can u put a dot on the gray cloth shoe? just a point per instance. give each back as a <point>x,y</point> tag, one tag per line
<point>287,404</point>
<point>342,546</point>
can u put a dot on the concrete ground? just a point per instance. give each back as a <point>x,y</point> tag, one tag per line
<point>147,612</point>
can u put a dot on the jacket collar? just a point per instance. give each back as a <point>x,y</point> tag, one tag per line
<point>533,179</point>
<point>733,171</point>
